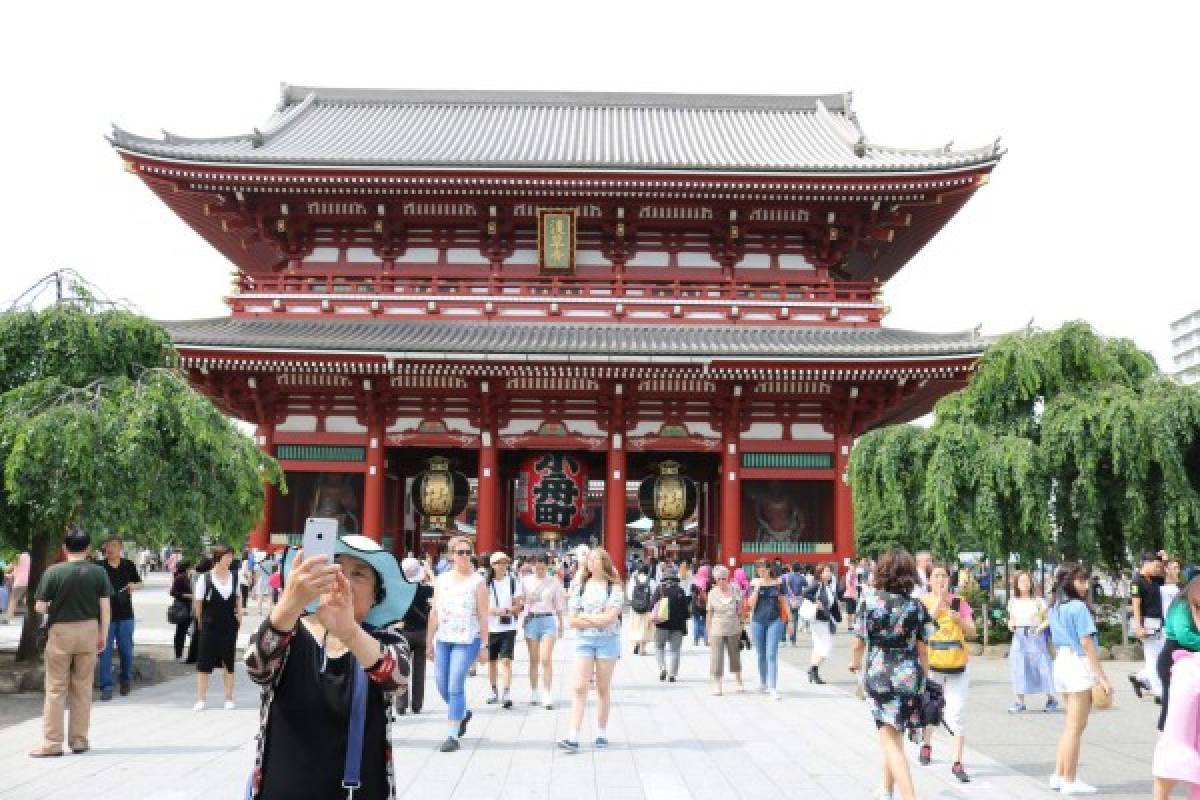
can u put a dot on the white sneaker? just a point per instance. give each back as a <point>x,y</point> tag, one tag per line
<point>229,706</point>
<point>882,794</point>
<point>1055,782</point>
<point>775,695</point>
<point>200,706</point>
<point>547,699</point>
<point>1077,787</point>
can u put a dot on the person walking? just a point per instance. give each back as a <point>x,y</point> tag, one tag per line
<point>671,627</point>
<point>1029,666</point>
<point>1182,632</point>
<point>458,626</point>
<point>507,598</point>
<point>181,592</point>
<point>75,597</point>
<point>641,603</point>
<point>1147,622</point>
<point>1172,584</point>
<point>1077,669</point>
<point>20,587</point>
<point>948,663</point>
<point>890,650</point>
<point>701,583</point>
<point>329,677</point>
<point>766,624</point>
<point>416,628</point>
<point>246,578</point>
<point>545,602</point>
<point>829,614</point>
<point>1177,753</point>
<point>794,586</point>
<point>217,605</point>
<point>594,607</point>
<point>724,625</point>
<point>124,578</point>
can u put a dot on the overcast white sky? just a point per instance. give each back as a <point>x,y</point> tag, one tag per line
<point>1090,215</point>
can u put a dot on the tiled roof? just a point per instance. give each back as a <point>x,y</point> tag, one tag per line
<point>552,130</point>
<point>553,339</point>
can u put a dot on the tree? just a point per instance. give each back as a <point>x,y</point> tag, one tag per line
<point>1062,430</point>
<point>98,429</point>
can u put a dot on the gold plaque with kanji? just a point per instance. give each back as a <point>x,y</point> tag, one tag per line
<point>556,239</point>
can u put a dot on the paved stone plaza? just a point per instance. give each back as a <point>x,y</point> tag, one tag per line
<point>669,741</point>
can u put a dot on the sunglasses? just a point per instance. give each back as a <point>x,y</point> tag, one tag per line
<point>462,552</point>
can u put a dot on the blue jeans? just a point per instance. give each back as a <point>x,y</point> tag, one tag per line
<point>120,635</point>
<point>451,661</point>
<point>767,636</point>
<point>699,631</point>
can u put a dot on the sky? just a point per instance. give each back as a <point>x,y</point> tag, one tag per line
<point>1087,216</point>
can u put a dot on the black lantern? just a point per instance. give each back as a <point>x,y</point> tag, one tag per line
<point>667,497</point>
<point>440,495</point>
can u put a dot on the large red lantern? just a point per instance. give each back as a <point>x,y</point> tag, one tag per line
<point>553,494</point>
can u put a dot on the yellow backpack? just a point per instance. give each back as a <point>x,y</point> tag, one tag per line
<point>948,646</point>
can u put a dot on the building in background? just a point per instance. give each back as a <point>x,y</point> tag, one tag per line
<point>1185,347</point>
<point>628,279</point>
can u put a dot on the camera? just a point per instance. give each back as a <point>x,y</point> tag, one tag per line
<point>506,619</point>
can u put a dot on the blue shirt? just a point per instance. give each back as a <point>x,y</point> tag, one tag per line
<point>1069,623</point>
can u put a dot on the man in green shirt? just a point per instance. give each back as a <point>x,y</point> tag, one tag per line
<point>75,596</point>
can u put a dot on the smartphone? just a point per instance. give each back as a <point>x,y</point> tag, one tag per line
<point>320,539</point>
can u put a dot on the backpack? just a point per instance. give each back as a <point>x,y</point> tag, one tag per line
<point>948,645</point>
<point>642,598</point>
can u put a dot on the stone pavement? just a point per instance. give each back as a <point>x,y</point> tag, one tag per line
<point>668,741</point>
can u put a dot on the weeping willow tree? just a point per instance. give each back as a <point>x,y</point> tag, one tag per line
<point>1061,438</point>
<point>97,429</point>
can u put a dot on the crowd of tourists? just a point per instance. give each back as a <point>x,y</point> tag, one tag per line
<point>357,630</point>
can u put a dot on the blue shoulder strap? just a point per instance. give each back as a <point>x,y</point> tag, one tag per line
<point>352,773</point>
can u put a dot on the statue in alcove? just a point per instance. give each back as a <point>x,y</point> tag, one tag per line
<point>777,514</point>
<point>334,498</point>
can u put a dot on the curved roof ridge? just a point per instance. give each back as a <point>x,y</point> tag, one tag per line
<point>838,102</point>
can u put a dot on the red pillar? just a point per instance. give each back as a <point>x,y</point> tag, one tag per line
<point>373,482</point>
<point>731,485</point>
<point>486,539</point>
<point>614,479</point>
<point>260,537</point>
<point>843,504</point>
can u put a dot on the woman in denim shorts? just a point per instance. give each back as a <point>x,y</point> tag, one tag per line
<point>594,604</point>
<point>545,601</point>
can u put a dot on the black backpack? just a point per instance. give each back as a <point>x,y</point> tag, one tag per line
<point>642,599</point>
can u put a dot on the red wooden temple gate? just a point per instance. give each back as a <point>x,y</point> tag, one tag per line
<point>481,275</point>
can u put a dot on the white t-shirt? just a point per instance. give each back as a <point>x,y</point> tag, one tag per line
<point>502,597</point>
<point>1168,592</point>
<point>1026,612</point>
<point>224,588</point>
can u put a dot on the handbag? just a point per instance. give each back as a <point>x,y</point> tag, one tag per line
<point>807,610</point>
<point>1101,700</point>
<point>179,612</point>
<point>662,610</point>
<point>785,613</point>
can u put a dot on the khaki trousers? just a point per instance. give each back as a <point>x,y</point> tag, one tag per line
<point>719,646</point>
<point>70,669</point>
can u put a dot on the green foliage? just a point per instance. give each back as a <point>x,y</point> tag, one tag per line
<point>96,428</point>
<point>1061,430</point>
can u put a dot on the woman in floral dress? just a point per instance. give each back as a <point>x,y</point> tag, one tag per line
<point>892,629</point>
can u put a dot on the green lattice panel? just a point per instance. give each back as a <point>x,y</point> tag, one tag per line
<point>787,460</point>
<point>320,452</point>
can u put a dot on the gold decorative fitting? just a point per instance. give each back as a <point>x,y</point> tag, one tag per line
<point>281,225</point>
<point>733,231</point>
<point>620,230</point>
<point>491,229</point>
<point>833,234</point>
<point>131,167</point>
<point>378,226</point>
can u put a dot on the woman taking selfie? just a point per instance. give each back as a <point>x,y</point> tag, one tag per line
<point>1076,670</point>
<point>892,630</point>
<point>329,677</point>
<point>458,625</point>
